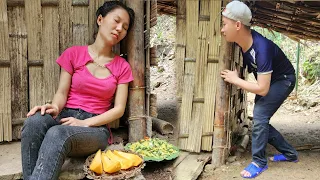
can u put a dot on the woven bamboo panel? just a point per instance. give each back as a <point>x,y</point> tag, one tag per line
<point>50,51</point>
<point>79,25</point>
<point>180,44</point>
<point>186,120</point>
<point>18,61</point>
<point>33,35</point>
<point>212,74</point>
<point>198,72</point>
<point>65,37</point>
<point>238,113</point>
<point>195,129</point>
<point>5,78</point>
<point>34,29</point>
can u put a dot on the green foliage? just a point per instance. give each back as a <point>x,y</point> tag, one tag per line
<point>311,71</point>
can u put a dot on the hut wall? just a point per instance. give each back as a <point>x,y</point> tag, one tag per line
<point>198,67</point>
<point>33,35</point>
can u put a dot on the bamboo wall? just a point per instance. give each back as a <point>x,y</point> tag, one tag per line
<point>198,50</point>
<point>33,34</point>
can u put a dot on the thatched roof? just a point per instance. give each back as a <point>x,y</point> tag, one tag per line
<point>167,7</point>
<point>296,19</point>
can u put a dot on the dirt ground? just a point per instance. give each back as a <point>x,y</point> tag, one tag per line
<point>298,128</point>
<point>299,124</point>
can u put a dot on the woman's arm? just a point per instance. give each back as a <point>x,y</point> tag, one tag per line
<point>115,113</point>
<point>59,99</point>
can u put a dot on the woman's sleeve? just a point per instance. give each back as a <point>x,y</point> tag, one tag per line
<point>65,61</point>
<point>125,73</point>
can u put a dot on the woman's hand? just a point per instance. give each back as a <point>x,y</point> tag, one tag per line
<point>229,76</point>
<point>45,109</point>
<point>71,121</point>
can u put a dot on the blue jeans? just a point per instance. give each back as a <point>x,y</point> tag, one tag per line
<point>45,143</point>
<point>262,131</point>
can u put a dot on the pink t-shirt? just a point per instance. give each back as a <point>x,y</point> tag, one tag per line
<point>87,92</point>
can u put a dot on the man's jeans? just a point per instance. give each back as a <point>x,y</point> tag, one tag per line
<point>45,143</point>
<point>263,132</point>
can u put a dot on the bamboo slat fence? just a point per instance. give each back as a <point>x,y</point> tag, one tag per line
<point>198,57</point>
<point>33,35</point>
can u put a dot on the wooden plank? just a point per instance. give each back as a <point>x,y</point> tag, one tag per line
<point>65,25</point>
<point>5,78</point>
<point>180,158</point>
<point>80,25</point>
<point>191,167</point>
<point>34,29</point>
<point>50,51</point>
<point>18,66</point>
<point>212,75</point>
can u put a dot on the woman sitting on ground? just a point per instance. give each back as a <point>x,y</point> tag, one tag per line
<point>92,78</point>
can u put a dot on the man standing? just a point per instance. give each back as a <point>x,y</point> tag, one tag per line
<point>275,77</point>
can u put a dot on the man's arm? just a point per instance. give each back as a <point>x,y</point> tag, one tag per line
<point>261,87</point>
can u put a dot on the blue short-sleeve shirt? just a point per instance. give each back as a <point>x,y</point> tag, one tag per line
<point>265,57</point>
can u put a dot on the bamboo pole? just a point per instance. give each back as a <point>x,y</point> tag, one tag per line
<point>134,46</point>
<point>221,114</point>
<point>147,70</point>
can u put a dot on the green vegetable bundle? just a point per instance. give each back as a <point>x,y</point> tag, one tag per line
<point>154,149</point>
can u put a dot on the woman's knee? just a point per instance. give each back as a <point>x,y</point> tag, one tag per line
<point>57,133</point>
<point>37,122</point>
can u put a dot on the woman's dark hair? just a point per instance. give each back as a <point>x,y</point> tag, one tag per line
<point>109,6</point>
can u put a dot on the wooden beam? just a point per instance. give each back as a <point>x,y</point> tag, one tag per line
<point>222,103</point>
<point>289,33</point>
<point>260,17</point>
<point>282,14</point>
<point>304,8</point>
<point>288,27</point>
<point>14,3</point>
<point>134,46</point>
